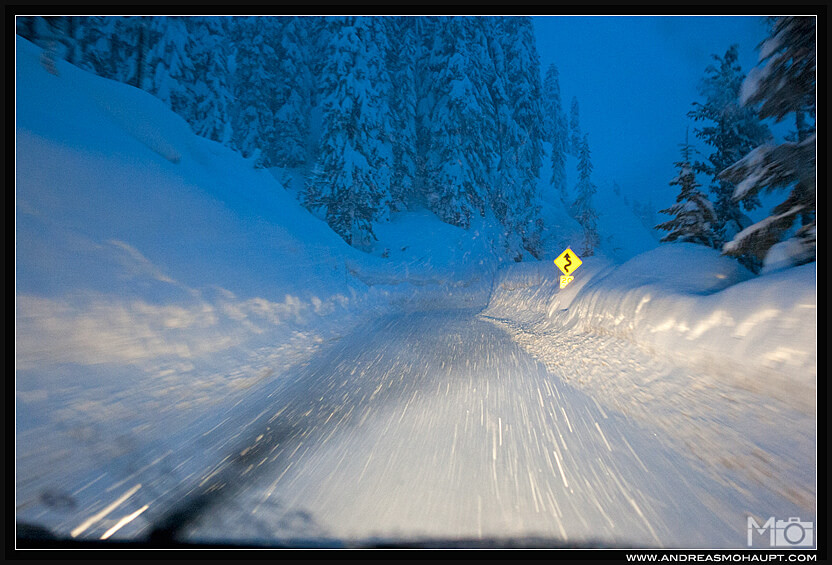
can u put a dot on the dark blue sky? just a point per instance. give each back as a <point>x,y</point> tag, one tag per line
<point>635,78</point>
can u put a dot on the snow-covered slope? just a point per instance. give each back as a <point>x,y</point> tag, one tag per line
<point>133,227</point>
<point>684,302</point>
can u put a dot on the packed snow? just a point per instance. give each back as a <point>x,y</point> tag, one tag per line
<point>169,294</point>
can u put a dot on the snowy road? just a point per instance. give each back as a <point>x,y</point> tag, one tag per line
<point>433,425</point>
<point>437,425</point>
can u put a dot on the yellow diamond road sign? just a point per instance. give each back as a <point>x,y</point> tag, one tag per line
<point>567,262</point>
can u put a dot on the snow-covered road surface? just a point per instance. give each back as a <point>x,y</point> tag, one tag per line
<point>438,425</point>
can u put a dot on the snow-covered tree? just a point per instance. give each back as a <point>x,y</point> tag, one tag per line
<point>167,62</point>
<point>345,184</point>
<point>253,88</point>
<point>100,37</point>
<point>526,94</point>
<point>575,127</point>
<point>783,84</point>
<point>380,118</point>
<point>583,209</point>
<point>557,130</point>
<point>516,99</point>
<point>131,40</point>
<point>499,128</point>
<point>456,154</point>
<point>402,59</point>
<point>693,214</point>
<point>207,102</point>
<point>292,103</point>
<point>730,130</point>
<point>112,47</point>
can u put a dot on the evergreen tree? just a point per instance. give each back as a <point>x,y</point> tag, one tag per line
<point>292,103</point>
<point>123,47</point>
<point>582,209</point>
<point>344,183</point>
<point>525,94</point>
<point>100,36</point>
<point>207,100</point>
<point>456,159</point>
<point>426,96</point>
<point>402,59</point>
<point>518,136</point>
<point>379,114</point>
<point>253,88</point>
<point>575,128</point>
<point>693,213</point>
<point>112,47</point>
<point>731,130</point>
<point>167,61</point>
<point>500,129</point>
<point>557,130</point>
<point>783,83</point>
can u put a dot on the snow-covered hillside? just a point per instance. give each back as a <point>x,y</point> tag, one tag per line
<point>129,225</point>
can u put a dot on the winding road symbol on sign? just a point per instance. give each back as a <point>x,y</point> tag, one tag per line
<point>567,262</point>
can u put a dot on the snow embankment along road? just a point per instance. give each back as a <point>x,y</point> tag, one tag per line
<point>687,303</point>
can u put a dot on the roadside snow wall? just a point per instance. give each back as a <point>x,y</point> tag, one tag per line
<point>685,302</point>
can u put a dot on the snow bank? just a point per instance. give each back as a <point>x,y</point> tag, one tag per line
<point>124,216</point>
<point>684,302</point>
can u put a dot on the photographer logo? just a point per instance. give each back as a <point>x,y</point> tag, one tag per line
<point>782,533</point>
